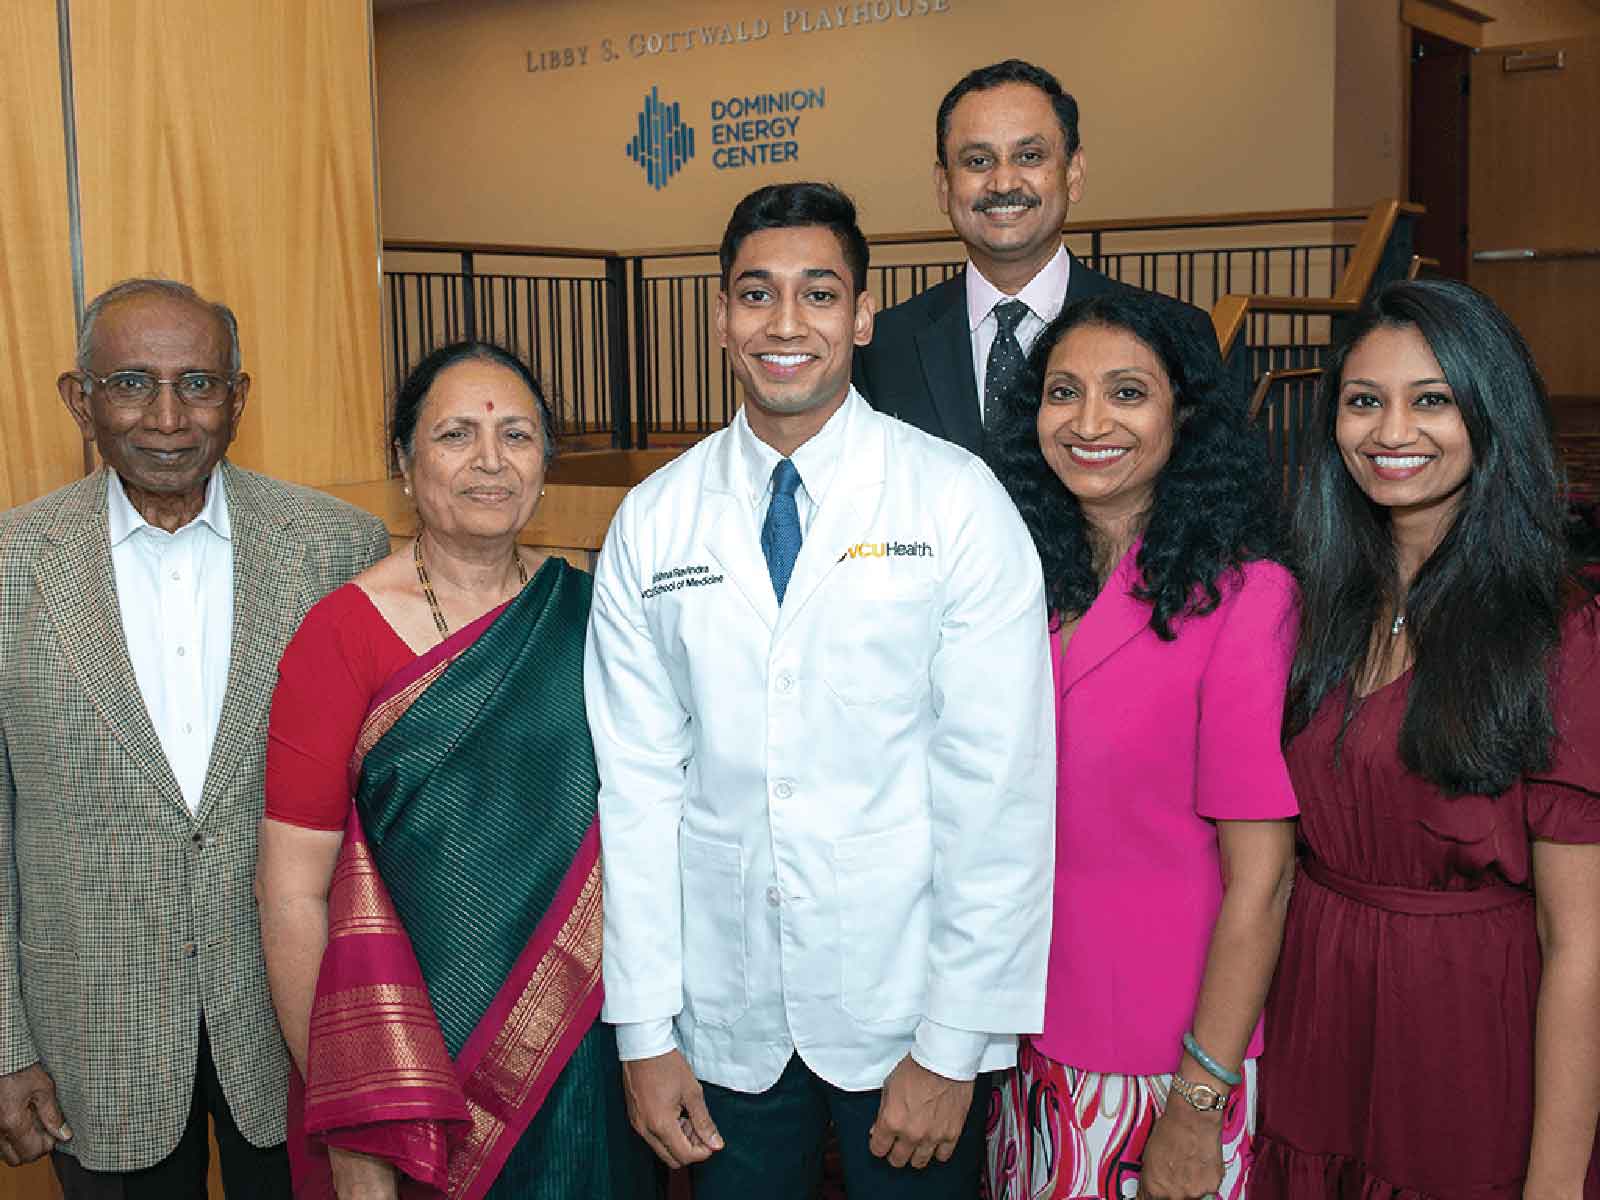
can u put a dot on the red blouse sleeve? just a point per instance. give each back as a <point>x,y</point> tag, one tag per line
<point>1564,801</point>
<point>331,669</point>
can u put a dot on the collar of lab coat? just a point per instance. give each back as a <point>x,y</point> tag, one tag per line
<point>734,540</point>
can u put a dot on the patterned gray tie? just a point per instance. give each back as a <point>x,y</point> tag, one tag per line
<point>1006,359</point>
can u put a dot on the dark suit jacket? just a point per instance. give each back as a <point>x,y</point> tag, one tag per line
<point>918,366</point>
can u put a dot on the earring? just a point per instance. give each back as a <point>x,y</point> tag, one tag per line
<point>406,488</point>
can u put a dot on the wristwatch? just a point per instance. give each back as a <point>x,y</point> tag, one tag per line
<point>1201,1096</point>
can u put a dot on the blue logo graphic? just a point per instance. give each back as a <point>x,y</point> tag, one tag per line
<point>663,144</point>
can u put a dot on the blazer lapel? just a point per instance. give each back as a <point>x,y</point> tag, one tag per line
<point>1114,619</point>
<point>79,590</point>
<point>267,582</point>
<point>1084,281</point>
<point>729,536</point>
<point>944,347</point>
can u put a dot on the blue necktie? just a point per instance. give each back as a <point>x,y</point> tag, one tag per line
<point>780,532</point>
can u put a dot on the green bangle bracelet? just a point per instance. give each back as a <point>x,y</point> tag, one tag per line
<point>1231,1078</point>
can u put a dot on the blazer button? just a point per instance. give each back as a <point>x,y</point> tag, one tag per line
<point>190,950</point>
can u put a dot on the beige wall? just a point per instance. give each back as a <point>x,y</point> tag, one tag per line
<point>1220,106</point>
<point>1370,77</point>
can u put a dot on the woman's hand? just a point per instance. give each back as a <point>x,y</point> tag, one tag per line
<point>1183,1156</point>
<point>362,1177</point>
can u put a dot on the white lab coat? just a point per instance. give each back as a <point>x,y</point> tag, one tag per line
<point>823,823</point>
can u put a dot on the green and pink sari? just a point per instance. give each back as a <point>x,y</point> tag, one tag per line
<point>455,1028</point>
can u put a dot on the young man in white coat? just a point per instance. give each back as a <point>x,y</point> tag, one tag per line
<point>819,687</point>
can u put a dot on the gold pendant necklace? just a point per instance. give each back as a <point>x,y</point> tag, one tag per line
<point>427,584</point>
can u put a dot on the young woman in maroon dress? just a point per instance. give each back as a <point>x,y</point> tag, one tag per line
<point>1434,1026</point>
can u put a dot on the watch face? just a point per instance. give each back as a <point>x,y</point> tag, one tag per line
<point>1201,1096</point>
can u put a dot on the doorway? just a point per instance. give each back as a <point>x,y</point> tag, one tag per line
<point>1441,94</point>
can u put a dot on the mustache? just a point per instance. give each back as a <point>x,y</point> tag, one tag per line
<point>1009,199</point>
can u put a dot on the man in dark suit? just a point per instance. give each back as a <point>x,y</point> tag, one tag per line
<point>1010,165</point>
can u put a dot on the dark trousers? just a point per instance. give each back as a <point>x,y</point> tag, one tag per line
<point>248,1172</point>
<point>773,1145</point>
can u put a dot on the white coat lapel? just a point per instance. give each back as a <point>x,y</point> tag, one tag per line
<point>842,517</point>
<point>730,535</point>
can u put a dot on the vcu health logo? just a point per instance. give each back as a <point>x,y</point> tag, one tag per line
<point>664,143</point>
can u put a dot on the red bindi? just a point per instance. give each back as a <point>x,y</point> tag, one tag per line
<point>489,405</point>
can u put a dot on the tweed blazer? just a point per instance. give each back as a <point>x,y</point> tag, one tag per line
<point>124,918</point>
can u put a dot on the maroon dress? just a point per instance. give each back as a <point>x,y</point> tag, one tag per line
<point>1400,1026</point>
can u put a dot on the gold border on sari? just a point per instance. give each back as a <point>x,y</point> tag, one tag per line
<point>539,1020</point>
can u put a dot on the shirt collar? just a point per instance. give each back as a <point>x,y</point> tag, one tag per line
<point>124,519</point>
<point>1044,294</point>
<point>817,459</point>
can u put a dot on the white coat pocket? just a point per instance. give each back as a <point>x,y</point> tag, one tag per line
<point>715,982</point>
<point>885,888</point>
<point>879,647</point>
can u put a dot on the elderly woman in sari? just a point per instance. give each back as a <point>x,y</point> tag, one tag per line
<point>428,876</point>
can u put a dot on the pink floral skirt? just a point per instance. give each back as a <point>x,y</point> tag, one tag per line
<point>1057,1133</point>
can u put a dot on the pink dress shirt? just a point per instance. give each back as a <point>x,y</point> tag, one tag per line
<point>1157,741</point>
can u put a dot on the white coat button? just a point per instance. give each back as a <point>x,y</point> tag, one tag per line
<point>785,681</point>
<point>181,652</point>
<point>783,790</point>
<point>774,897</point>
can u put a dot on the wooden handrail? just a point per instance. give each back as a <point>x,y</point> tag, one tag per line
<point>1229,313</point>
<point>1285,216</point>
<point>1259,398</point>
<point>1418,262</point>
<point>508,249</point>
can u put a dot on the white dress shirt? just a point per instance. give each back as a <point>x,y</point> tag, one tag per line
<point>953,1053</point>
<point>1044,295</point>
<point>175,592</point>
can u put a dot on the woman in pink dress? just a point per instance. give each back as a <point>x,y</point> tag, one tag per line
<point>1147,494</point>
<point>1434,1027</point>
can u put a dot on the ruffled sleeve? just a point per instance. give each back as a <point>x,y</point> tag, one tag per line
<point>1564,801</point>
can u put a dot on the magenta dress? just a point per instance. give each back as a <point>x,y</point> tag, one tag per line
<point>1400,1026</point>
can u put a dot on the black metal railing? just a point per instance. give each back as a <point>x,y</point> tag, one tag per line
<point>566,316</point>
<point>626,345</point>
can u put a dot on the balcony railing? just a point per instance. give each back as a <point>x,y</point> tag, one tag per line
<point>625,342</point>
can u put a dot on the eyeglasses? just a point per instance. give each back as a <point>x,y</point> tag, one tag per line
<point>135,389</point>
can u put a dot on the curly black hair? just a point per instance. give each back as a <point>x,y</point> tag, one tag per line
<point>1213,508</point>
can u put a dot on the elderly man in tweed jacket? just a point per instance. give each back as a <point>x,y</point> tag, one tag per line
<point>142,614</point>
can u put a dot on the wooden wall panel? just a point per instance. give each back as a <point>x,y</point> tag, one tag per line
<point>39,445</point>
<point>1534,175</point>
<point>229,143</point>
